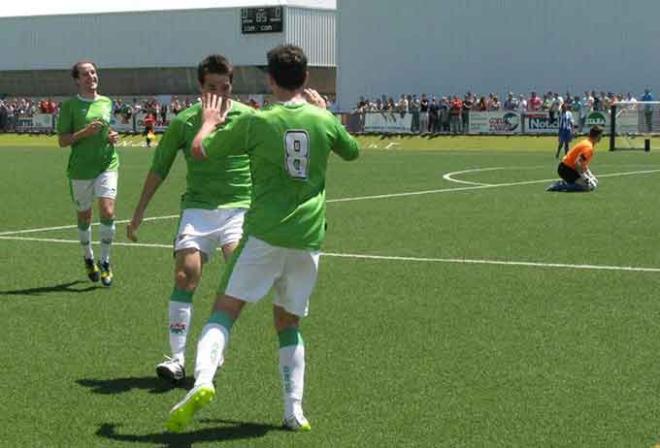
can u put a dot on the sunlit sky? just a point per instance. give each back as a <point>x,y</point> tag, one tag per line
<point>13,8</point>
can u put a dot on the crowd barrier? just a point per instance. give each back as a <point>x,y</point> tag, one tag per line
<point>474,123</point>
<point>47,123</point>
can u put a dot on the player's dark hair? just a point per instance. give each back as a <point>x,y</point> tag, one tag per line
<point>595,132</point>
<point>287,64</point>
<point>75,70</point>
<point>216,64</point>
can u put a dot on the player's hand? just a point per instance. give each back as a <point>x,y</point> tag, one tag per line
<point>93,128</point>
<point>215,109</point>
<point>132,228</point>
<point>113,137</point>
<point>313,97</point>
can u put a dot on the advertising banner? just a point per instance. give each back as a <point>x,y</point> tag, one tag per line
<point>495,122</point>
<point>539,123</point>
<point>601,119</point>
<point>122,121</point>
<point>388,122</point>
<point>42,122</point>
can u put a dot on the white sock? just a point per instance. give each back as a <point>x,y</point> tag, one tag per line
<point>107,234</point>
<point>210,352</point>
<point>179,314</point>
<point>85,235</point>
<point>292,369</point>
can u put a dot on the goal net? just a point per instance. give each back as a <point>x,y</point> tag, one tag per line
<point>635,125</point>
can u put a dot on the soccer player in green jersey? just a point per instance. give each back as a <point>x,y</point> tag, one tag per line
<point>213,206</point>
<point>92,170</point>
<point>288,144</point>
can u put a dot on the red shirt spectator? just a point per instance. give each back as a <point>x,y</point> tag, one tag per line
<point>534,103</point>
<point>456,106</point>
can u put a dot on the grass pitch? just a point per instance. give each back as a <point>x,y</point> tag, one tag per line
<point>458,305</point>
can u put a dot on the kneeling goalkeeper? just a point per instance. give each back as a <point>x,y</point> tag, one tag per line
<point>574,166</point>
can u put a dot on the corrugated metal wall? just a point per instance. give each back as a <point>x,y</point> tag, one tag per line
<point>314,31</point>
<point>156,39</point>
<point>443,47</point>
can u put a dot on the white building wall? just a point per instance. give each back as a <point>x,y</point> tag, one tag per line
<point>155,39</point>
<point>314,31</point>
<point>443,47</point>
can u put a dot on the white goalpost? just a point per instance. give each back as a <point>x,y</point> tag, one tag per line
<point>633,124</point>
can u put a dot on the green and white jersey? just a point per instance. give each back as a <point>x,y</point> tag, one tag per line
<point>288,145</point>
<point>221,183</point>
<point>93,155</point>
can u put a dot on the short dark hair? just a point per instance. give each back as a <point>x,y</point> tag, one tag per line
<point>75,70</point>
<point>216,64</point>
<point>595,132</point>
<point>287,64</point>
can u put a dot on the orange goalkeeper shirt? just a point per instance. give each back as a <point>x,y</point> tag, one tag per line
<point>584,148</point>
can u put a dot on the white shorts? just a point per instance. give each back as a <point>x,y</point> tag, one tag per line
<point>206,230</point>
<point>259,266</point>
<point>83,191</point>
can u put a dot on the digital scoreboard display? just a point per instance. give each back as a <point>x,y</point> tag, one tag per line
<point>262,20</point>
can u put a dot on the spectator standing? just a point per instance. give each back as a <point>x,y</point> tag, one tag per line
<point>534,103</point>
<point>163,113</point>
<point>522,104</point>
<point>424,114</point>
<point>511,103</point>
<point>648,110</point>
<point>468,104</point>
<point>433,115</point>
<point>443,114</point>
<point>455,115</point>
<point>4,115</point>
<point>413,105</point>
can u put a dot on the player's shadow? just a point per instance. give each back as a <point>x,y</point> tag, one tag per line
<point>229,431</point>
<point>62,287</point>
<point>121,385</point>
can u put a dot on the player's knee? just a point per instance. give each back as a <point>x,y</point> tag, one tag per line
<point>186,278</point>
<point>107,211</point>
<point>85,216</point>
<point>283,320</point>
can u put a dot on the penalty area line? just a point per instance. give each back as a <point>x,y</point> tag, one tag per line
<point>532,264</point>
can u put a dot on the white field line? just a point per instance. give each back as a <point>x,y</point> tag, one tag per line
<point>450,176</point>
<point>477,187</point>
<point>533,264</point>
<point>46,229</point>
<point>359,198</point>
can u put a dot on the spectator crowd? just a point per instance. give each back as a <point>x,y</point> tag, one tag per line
<point>430,114</point>
<point>450,114</point>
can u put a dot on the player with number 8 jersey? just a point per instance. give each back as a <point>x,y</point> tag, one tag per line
<point>288,144</point>
<point>289,184</point>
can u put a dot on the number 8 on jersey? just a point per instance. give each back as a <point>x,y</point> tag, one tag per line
<point>297,153</point>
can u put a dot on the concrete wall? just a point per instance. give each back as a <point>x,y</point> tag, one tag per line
<point>450,46</point>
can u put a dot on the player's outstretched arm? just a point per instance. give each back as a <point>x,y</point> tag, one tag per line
<point>163,159</point>
<point>214,112</point>
<point>151,184</point>
<point>346,146</point>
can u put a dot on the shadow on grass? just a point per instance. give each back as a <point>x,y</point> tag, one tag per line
<point>120,385</point>
<point>62,287</point>
<point>230,430</point>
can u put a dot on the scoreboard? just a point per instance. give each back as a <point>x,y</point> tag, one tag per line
<point>262,20</point>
